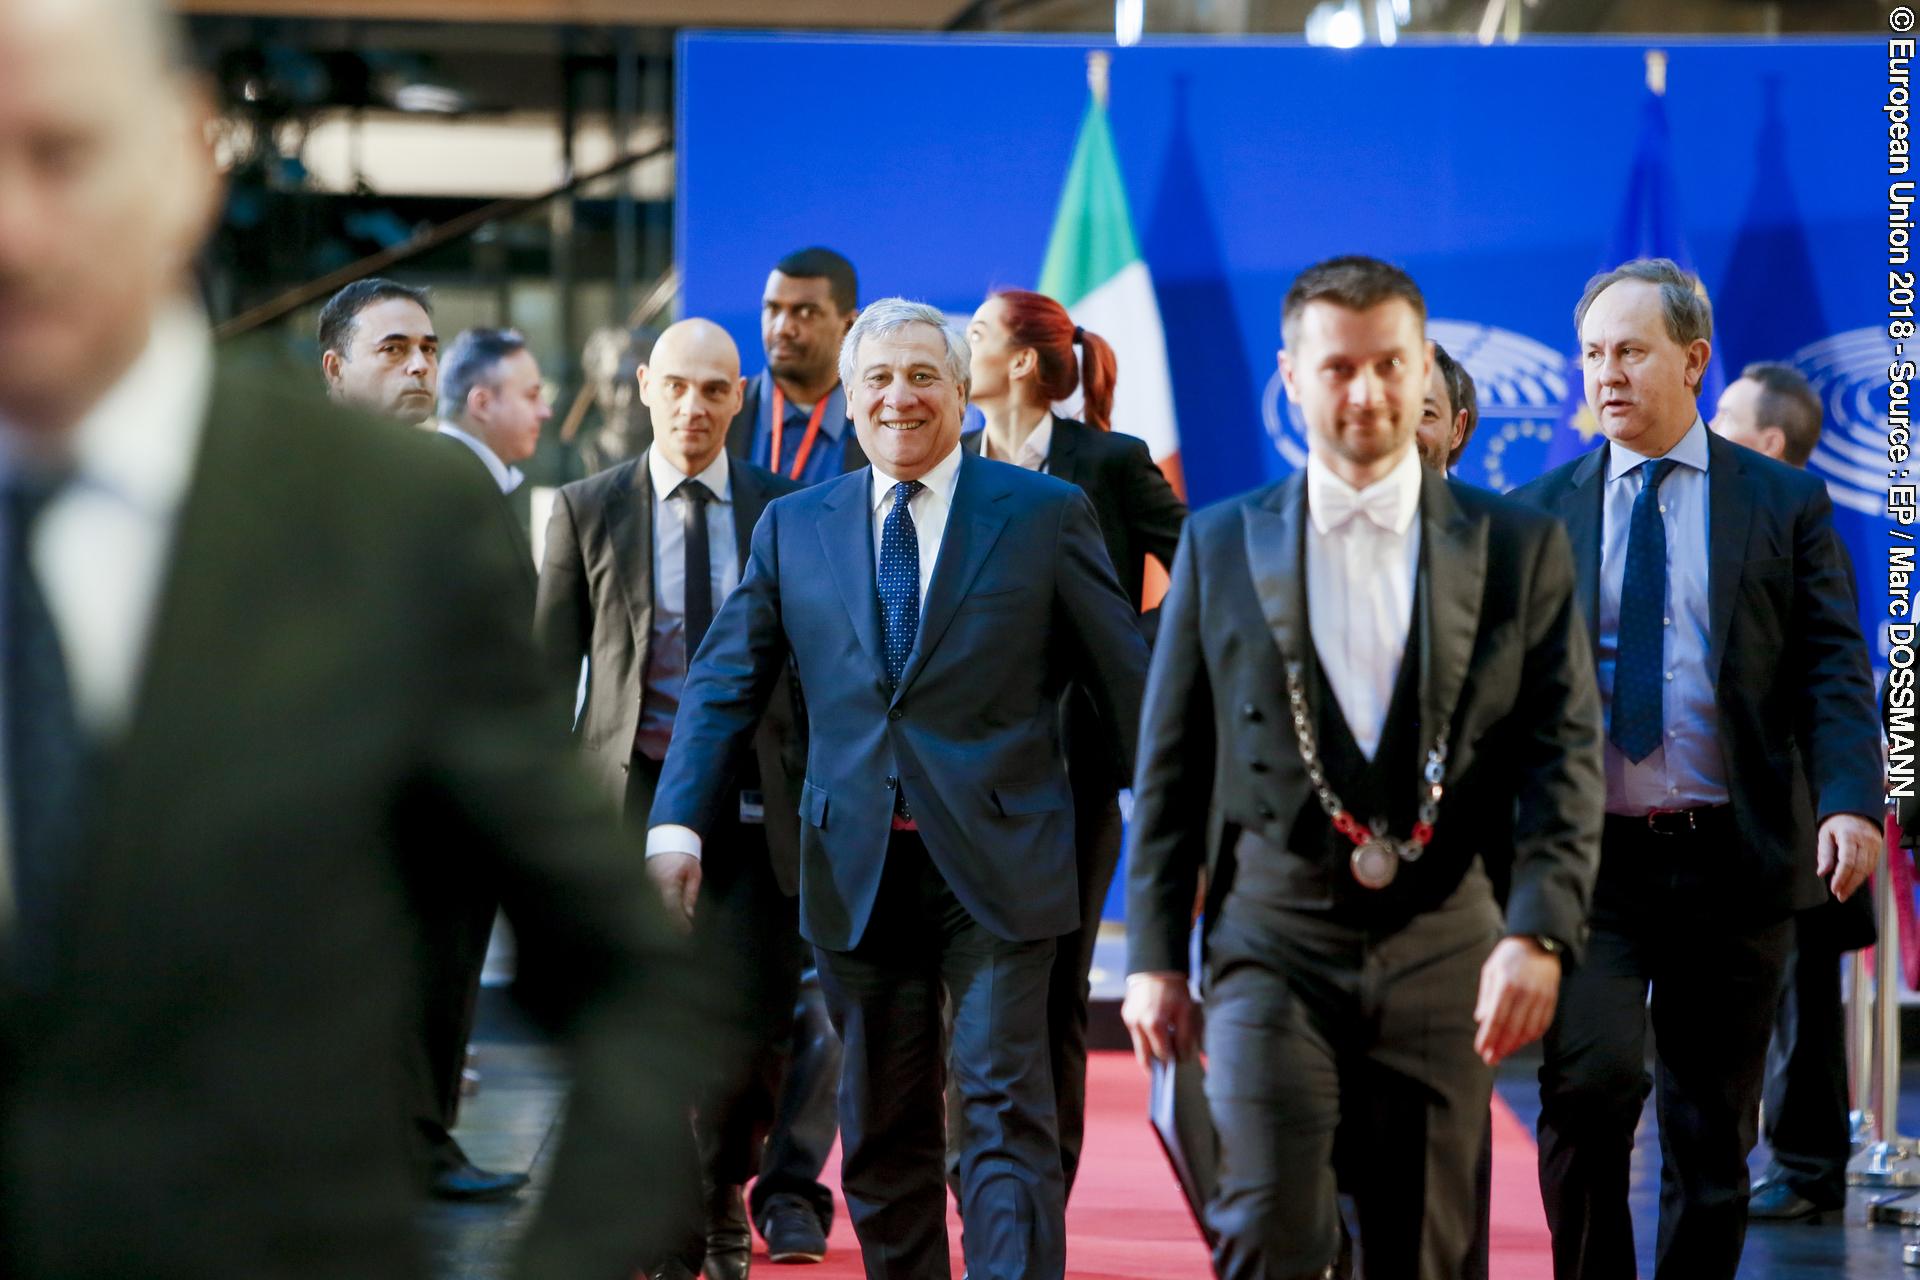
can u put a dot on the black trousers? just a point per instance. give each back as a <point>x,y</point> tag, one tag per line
<point>805,1113</point>
<point>1316,1025</point>
<point>1807,1126</point>
<point>453,915</point>
<point>746,931</point>
<point>1659,924</point>
<point>886,998</point>
<point>1096,827</point>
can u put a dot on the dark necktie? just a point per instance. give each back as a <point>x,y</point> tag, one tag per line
<point>46,752</point>
<point>793,434</point>
<point>900,580</point>
<point>1639,671</point>
<point>698,606</point>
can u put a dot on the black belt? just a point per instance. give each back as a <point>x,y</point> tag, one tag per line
<point>1673,822</point>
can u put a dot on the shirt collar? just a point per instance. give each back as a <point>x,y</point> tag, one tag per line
<point>941,479</point>
<point>1403,482</point>
<point>508,478</point>
<point>832,425</point>
<point>142,439</point>
<point>1691,451</point>
<point>667,477</point>
<point>1037,445</point>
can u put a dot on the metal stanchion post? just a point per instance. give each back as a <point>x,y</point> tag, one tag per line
<point>1889,1162</point>
<point>1859,1050</point>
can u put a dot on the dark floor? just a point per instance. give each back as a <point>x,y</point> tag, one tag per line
<point>1848,1249</point>
<point>513,1121</point>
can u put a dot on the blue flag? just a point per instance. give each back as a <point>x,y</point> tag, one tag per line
<point>1649,227</point>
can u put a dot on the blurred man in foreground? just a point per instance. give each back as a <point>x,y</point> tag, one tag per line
<point>258,675</point>
<point>378,350</point>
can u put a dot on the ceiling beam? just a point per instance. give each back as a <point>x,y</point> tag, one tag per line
<point>911,14</point>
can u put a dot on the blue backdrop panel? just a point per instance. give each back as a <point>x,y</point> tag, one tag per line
<point>1500,177</point>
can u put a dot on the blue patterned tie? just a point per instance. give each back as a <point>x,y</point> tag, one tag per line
<point>900,581</point>
<point>46,751</point>
<point>1639,670</point>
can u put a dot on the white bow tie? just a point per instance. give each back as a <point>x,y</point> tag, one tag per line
<point>1337,504</point>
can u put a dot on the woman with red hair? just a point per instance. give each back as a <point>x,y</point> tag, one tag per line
<point>1023,363</point>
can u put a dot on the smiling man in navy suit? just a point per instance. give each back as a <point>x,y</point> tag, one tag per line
<point>936,820</point>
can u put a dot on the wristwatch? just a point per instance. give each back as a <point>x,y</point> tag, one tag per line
<point>1549,945</point>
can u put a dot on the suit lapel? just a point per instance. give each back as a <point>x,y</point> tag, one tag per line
<point>1275,532</point>
<point>1063,455</point>
<point>1729,515</point>
<point>1584,514</point>
<point>629,520</point>
<point>1453,579</point>
<point>846,540</point>
<point>749,500</point>
<point>973,526</point>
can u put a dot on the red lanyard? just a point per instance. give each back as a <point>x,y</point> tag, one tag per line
<point>806,441</point>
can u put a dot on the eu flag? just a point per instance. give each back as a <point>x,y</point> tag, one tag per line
<point>1650,226</point>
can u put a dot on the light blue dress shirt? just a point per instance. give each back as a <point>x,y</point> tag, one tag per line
<point>1686,770</point>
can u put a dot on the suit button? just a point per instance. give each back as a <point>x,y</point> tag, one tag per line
<point>895,713</point>
<point>1251,712</point>
<point>626,768</point>
<point>892,782</point>
<point>1266,813</point>
<point>1258,766</point>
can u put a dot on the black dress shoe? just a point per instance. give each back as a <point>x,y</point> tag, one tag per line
<point>729,1239</point>
<point>1778,1202</point>
<point>792,1230</point>
<point>465,1182</point>
<point>672,1269</point>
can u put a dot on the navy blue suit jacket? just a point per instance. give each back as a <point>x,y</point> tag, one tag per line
<point>1791,680</point>
<point>1022,600</point>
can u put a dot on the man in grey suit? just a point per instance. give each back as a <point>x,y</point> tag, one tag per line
<point>637,559</point>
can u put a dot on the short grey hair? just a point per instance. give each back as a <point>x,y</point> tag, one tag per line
<point>1683,299</point>
<point>474,361</point>
<point>889,316</point>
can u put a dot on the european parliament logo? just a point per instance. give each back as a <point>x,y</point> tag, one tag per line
<point>1849,373</point>
<point>1522,387</point>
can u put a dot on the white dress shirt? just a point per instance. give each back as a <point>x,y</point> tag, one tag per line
<point>100,548</point>
<point>1363,556</point>
<point>929,508</point>
<point>508,478</point>
<point>1032,452</point>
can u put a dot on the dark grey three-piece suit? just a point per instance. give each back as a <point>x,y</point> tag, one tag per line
<point>1329,1002</point>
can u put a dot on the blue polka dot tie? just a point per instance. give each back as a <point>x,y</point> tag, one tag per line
<point>1639,670</point>
<point>900,580</point>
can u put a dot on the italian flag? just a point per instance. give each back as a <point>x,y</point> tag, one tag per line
<point>1094,269</point>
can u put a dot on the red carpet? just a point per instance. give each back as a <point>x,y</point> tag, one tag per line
<point>1127,1221</point>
